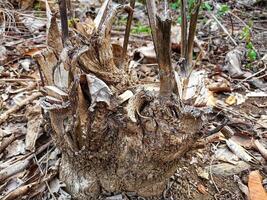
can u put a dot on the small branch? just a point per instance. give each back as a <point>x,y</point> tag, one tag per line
<point>40,169</point>
<point>107,20</point>
<point>151,9</point>
<point>128,29</point>
<point>184,35</point>
<point>19,80</point>
<point>224,29</point>
<point>64,20</point>
<point>69,6</point>
<point>191,36</point>
<point>251,76</point>
<point>20,165</point>
<point>41,74</point>
<point>232,25</point>
<point>13,169</point>
<point>9,140</point>
<point>183,28</point>
<point>29,188</point>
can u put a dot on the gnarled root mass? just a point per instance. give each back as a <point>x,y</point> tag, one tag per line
<point>109,145</point>
<point>116,154</point>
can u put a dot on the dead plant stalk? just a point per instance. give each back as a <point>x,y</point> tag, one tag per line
<point>188,35</point>
<point>161,33</point>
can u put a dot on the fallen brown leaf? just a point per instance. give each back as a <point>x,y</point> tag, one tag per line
<point>256,190</point>
<point>34,116</point>
<point>231,100</point>
<point>202,189</point>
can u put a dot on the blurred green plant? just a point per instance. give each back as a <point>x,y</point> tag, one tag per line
<point>175,5</point>
<point>191,4</point>
<point>206,6</point>
<point>251,52</point>
<point>72,21</point>
<point>139,28</point>
<point>122,20</point>
<point>224,9</point>
<point>246,35</point>
<point>179,20</point>
<point>37,6</point>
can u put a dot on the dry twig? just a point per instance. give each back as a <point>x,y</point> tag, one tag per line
<point>18,106</point>
<point>8,141</point>
<point>224,29</point>
<point>128,29</point>
<point>191,35</point>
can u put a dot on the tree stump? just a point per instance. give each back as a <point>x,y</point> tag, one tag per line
<point>110,143</point>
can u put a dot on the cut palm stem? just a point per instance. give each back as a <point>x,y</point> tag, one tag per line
<point>64,20</point>
<point>161,33</point>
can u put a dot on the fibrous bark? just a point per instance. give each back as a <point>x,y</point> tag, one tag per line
<point>108,145</point>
